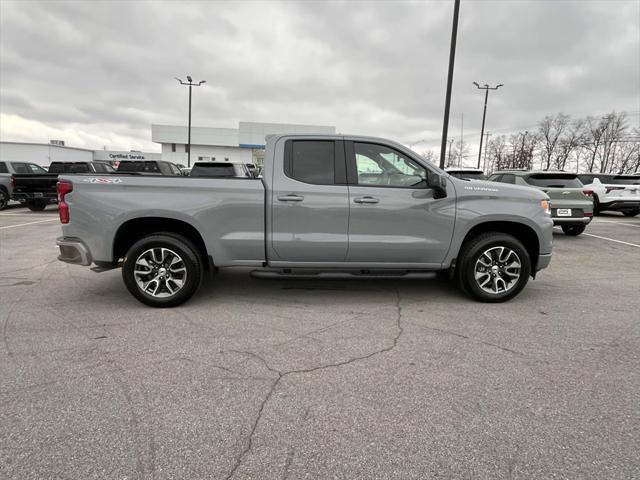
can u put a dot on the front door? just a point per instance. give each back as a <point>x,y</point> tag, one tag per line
<point>310,203</point>
<point>394,217</point>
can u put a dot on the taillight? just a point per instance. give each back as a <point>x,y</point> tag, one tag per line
<point>588,214</point>
<point>610,189</point>
<point>63,209</point>
<point>588,193</point>
<point>13,183</point>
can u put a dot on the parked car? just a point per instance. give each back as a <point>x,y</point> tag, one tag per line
<point>571,203</point>
<point>314,213</point>
<point>37,191</point>
<point>220,169</point>
<point>619,193</point>
<point>468,173</point>
<point>7,170</point>
<point>149,167</point>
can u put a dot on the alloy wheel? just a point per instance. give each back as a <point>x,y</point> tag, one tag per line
<point>497,270</point>
<point>160,272</point>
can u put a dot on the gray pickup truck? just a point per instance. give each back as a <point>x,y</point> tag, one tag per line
<point>325,206</point>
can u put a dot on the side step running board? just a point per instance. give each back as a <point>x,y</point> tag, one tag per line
<point>271,274</point>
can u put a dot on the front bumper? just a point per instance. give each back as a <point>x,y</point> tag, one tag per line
<point>72,250</point>
<point>544,259</point>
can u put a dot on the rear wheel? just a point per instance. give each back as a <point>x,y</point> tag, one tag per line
<point>4,198</point>
<point>493,267</point>
<point>573,230</point>
<point>36,205</point>
<point>631,213</point>
<point>162,270</point>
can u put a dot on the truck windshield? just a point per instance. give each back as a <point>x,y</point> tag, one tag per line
<point>559,180</point>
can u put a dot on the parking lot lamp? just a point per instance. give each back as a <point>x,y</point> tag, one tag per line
<point>447,102</point>
<point>191,84</point>
<point>486,89</point>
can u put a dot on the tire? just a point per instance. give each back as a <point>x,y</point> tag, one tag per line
<point>631,213</point>
<point>4,198</point>
<point>179,261</point>
<point>573,230</point>
<point>36,205</point>
<point>495,245</point>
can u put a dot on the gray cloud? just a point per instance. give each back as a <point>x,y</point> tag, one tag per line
<point>105,69</point>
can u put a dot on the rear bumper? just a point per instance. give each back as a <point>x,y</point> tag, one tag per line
<point>543,261</point>
<point>620,205</point>
<point>572,221</point>
<point>72,250</point>
<point>26,197</point>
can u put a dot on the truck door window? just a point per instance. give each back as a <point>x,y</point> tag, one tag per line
<point>3,168</point>
<point>382,166</point>
<point>311,161</point>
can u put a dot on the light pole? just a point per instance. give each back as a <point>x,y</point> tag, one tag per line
<point>447,102</point>
<point>191,84</point>
<point>486,89</point>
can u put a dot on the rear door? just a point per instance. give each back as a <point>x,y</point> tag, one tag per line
<point>394,217</point>
<point>310,203</point>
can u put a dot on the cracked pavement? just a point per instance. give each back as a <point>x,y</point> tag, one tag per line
<point>262,379</point>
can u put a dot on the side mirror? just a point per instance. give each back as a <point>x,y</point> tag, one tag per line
<point>438,182</point>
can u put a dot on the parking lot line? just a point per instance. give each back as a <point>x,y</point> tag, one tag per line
<point>28,223</point>
<point>611,240</point>
<point>637,225</point>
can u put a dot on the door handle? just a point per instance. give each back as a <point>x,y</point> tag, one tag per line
<point>290,198</point>
<point>366,200</point>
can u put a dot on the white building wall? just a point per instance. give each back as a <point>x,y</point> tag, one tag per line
<point>42,154</point>
<point>208,152</point>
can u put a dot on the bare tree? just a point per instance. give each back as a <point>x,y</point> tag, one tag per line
<point>497,152</point>
<point>572,138</point>
<point>522,146</point>
<point>604,133</point>
<point>551,131</point>
<point>431,156</point>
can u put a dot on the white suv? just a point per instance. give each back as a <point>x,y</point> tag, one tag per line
<point>614,192</point>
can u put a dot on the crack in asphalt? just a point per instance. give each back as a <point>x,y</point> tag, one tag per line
<point>282,374</point>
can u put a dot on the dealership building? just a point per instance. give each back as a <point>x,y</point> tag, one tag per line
<point>244,144</point>
<point>56,151</point>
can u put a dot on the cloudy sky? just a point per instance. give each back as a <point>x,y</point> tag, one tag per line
<point>100,73</point>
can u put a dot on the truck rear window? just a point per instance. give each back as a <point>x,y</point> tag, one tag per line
<point>213,170</point>
<point>142,167</point>
<point>69,167</point>
<point>554,181</point>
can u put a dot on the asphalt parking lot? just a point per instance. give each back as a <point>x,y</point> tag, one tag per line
<point>262,379</point>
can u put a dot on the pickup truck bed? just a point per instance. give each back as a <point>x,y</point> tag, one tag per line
<point>327,204</point>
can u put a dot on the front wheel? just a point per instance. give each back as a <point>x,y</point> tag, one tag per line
<point>162,270</point>
<point>631,213</point>
<point>493,267</point>
<point>573,230</point>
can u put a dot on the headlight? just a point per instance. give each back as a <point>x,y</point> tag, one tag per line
<point>546,206</point>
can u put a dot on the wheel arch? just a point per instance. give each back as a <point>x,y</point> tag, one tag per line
<point>134,229</point>
<point>523,232</point>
